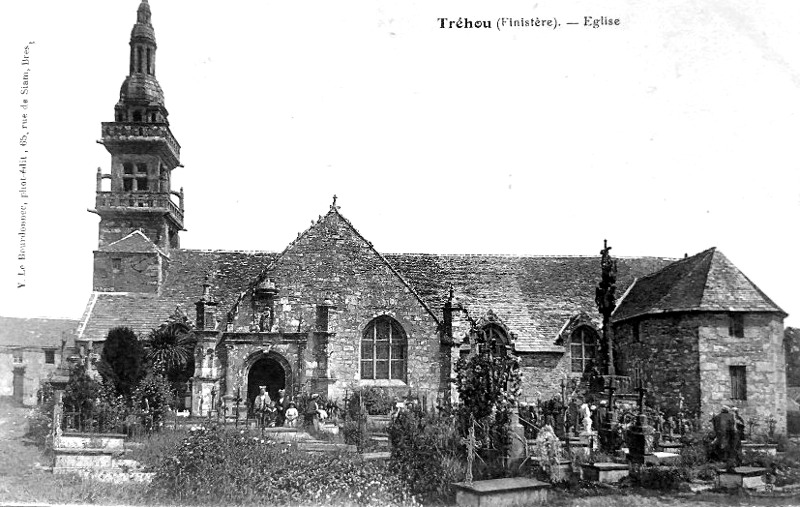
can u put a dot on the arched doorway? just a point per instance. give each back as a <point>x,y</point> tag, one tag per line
<point>265,372</point>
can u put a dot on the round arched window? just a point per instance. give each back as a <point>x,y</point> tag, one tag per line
<point>383,350</point>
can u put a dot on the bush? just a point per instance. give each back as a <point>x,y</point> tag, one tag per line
<point>352,433</point>
<point>425,454</point>
<point>122,360</point>
<point>659,478</point>
<point>215,465</point>
<point>153,394</point>
<point>378,401</point>
<point>40,419</point>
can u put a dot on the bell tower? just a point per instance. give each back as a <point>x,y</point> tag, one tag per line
<point>143,154</point>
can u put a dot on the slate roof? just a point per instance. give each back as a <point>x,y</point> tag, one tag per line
<point>230,272</point>
<point>36,333</point>
<point>533,296</point>
<point>707,281</point>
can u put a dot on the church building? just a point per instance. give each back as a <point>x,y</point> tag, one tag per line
<point>332,313</point>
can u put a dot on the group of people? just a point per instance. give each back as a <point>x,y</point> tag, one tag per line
<point>283,412</point>
<point>728,435</point>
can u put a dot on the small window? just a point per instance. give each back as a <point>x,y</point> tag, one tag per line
<point>153,117</point>
<point>127,185</point>
<point>583,348</point>
<point>738,382</point>
<point>17,357</point>
<point>141,168</point>
<point>127,168</point>
<point>635,331</point>
<point>116,265</point>
<point>50,357</point>
<point>139,61</point>
<point>137,116</point>
<point>141,184</point>
<point>736,325</point>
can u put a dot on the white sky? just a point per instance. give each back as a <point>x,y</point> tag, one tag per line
<point>673,133</point>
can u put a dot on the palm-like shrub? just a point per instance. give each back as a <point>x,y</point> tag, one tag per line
<point>170,349</point>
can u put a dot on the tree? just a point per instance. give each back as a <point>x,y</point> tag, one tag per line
<point>122,362</point>
<point>488,387</point>
<point>170,350</point>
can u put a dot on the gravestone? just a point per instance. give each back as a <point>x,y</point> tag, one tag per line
<point>605,472</point>
<point>510,492</point>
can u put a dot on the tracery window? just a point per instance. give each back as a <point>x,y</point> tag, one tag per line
<point>496,338</point>
<point>583,348</point>
<point>384,349</point>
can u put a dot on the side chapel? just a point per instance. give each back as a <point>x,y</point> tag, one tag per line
<point>331,313</point>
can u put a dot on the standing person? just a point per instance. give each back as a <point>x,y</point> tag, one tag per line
<point>261,404</point>
<point>291,416</point>
<point>573,417</point>
<point>311,413</point>
<point>280,408</point>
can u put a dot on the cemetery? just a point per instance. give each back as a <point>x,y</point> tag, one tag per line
<point>595,443</point>
<point>117,431</point>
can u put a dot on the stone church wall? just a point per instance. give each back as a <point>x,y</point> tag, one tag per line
<point>760,351</point>
<point>114,229</point>
<point>542,373</point>
<point>131,272</point>
<point>332,262</point>
<point>667,353</point>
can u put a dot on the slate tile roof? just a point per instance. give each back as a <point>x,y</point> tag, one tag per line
<point>707,281</point>
<point>533,296</point>
<point>230,272</point>
<point>35,333</point>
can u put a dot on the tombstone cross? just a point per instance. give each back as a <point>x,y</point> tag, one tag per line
<point>472,445</point>
<point>642,390</point>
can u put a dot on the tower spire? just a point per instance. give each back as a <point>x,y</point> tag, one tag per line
<point>143,152</point>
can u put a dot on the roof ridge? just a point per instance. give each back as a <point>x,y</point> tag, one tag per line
<point>675,263</point>
<point>531,256</point>
<point>698,259</point>
<point>752,284</point>
<point>86,315</point>
<point>221,250</point>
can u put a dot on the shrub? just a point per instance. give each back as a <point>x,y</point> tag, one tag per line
<point>40,419</point>
<point>354,433</point>
<point>153,394</point>
<point>425,453</point>
<point>659,478</point>
<point>378,401</point>
<point>215,465</point>
<point>122,360</point>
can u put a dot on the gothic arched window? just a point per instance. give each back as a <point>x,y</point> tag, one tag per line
<point>496,338</point>
<point>583,348</point>
<point>384,350</point>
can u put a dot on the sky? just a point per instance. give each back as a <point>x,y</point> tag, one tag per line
<point>669,133</point>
